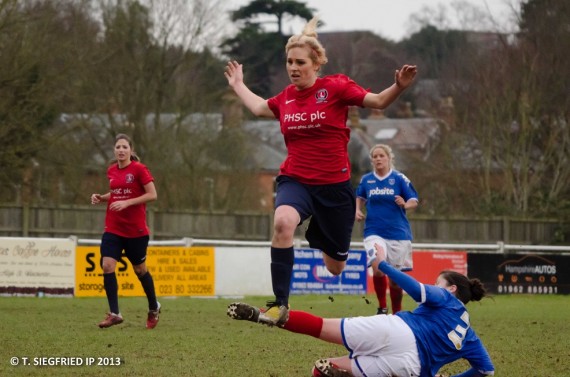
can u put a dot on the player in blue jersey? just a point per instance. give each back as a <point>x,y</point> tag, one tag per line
<point>387,194</point>
<point>415,344</point>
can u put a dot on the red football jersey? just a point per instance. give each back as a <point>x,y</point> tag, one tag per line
<point>127,183</point>
<point>313,123</point>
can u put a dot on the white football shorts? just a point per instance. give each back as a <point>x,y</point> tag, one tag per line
<point>398,253</point>
<point>381,345</point>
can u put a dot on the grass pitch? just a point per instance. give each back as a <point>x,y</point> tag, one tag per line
<point>525,335</point>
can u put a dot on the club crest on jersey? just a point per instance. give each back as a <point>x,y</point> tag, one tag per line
<point>391,181</point>
<point>321,95</point>
<point>129,178</point>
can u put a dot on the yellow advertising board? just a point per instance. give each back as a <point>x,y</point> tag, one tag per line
<point>176,271</point>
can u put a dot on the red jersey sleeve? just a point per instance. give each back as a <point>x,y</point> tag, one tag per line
<point>352,93</point>
<point>274,102</point>
<point>144,175</point>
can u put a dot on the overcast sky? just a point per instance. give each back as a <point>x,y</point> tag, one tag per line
<point>391,19</point>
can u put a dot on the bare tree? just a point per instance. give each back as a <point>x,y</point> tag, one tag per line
<point>467,16</point>
<point>43,44</point>
<point>514,105</point>
<point>75,74</point>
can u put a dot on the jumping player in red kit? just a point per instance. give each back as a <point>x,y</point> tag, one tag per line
<point>314,179</point>
<point>131,187</point>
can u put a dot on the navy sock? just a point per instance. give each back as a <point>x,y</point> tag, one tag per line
<point>148,286</point>
<point>281,271</point>
<point>112,290</point>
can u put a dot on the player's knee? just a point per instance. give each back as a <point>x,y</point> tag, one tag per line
<point>108,265</point>
<point>335,269</point>
<point>284,226</point>
<point>140,270</point>
<point>376,272</point>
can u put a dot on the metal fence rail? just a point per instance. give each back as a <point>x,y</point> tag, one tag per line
<point>498,248</point>
<point>87,222</point>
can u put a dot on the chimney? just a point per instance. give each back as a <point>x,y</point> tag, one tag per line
<point>353,117</point>
<point>232,110</point>
<point>377,114</point>
<point>405,110</point>
<point>408,111</point>
<point>446,111</point>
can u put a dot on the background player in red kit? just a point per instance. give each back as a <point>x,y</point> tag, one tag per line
<point>314,179</point>
<point>131,187</point>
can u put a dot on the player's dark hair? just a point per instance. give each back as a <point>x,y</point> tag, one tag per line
<point>467,289</point>
<point>134,156</point>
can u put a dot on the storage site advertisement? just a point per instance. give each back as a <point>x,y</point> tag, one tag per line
<point>176,271</point>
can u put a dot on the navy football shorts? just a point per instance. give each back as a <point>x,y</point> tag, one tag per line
<point>331,208</point>
<point>112,246</point>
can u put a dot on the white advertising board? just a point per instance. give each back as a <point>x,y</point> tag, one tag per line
<point>37,263</point>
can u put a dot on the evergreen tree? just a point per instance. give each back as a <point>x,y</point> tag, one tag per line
<point>260,51</point>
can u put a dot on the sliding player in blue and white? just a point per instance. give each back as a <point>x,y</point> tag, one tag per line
<point>417,343</point>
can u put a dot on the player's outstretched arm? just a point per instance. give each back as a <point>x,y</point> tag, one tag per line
<point>257,105</point>
<point>406,282</point>
<point>403,78</point>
